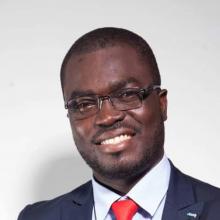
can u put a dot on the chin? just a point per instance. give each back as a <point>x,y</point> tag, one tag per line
<point>125,168</point>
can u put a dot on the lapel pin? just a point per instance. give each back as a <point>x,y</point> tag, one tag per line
<point>190,214</point>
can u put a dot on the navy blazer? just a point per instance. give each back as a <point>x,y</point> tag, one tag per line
<point>187,199</point>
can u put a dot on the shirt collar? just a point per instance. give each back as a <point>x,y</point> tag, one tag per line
<point>103,199</point>
<point>147,193</point>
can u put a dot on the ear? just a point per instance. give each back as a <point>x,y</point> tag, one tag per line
<point>163,103</point>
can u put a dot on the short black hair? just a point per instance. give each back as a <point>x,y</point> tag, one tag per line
<point>108,37</point>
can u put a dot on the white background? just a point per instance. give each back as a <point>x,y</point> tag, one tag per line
<point>38,159</point>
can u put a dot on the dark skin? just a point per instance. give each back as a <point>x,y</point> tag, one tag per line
<point>102,72</point>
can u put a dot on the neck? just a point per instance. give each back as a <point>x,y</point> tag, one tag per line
<point>118,186</point>
<point>122,186</point>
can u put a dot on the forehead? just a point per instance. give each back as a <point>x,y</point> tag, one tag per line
<point>102,70</point>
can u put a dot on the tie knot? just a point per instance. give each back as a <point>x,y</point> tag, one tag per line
<point>124,209</point>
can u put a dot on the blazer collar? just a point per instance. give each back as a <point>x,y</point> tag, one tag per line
<point>79,204</point>
<point>181,203</point>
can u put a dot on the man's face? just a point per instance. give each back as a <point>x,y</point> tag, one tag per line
<point>116,144</point>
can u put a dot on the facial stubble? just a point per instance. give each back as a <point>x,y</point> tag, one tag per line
<point>116,169</point>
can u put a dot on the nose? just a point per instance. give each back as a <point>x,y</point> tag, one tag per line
<point>107,114</point>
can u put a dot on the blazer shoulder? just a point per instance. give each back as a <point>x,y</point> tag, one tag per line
<point>210,195</point>
<point>51,209</point>
<point>203,191</point>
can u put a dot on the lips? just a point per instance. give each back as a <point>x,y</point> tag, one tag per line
<point>114,137</point>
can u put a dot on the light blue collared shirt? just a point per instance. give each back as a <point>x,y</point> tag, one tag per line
<point>149,193</point>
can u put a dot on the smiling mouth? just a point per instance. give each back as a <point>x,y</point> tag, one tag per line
<point>116,140</point>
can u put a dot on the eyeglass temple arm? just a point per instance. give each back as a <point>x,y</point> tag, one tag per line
<point>155,87</point>
<point>162,91</point>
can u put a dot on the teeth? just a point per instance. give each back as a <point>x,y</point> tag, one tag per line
<point>116,140</point>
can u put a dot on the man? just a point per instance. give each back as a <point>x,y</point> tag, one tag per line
<point>112,90</point>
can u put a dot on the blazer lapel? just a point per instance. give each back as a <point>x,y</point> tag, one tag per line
<point>80,204</point>
<point>180,202</point>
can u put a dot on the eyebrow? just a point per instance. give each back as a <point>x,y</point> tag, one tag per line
<point>76,94</point>
<point>113,87</point>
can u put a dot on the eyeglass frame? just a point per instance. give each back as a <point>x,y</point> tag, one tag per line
<point>146,91</point>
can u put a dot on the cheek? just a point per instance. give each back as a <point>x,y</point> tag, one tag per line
<point>148,115</point>
<point>144,115</point>
<point>81,130</point>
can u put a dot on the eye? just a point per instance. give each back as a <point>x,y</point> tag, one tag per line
<point>83,105</point>
<point>128,95</point>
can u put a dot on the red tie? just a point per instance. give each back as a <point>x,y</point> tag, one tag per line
<point>124,209</point>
